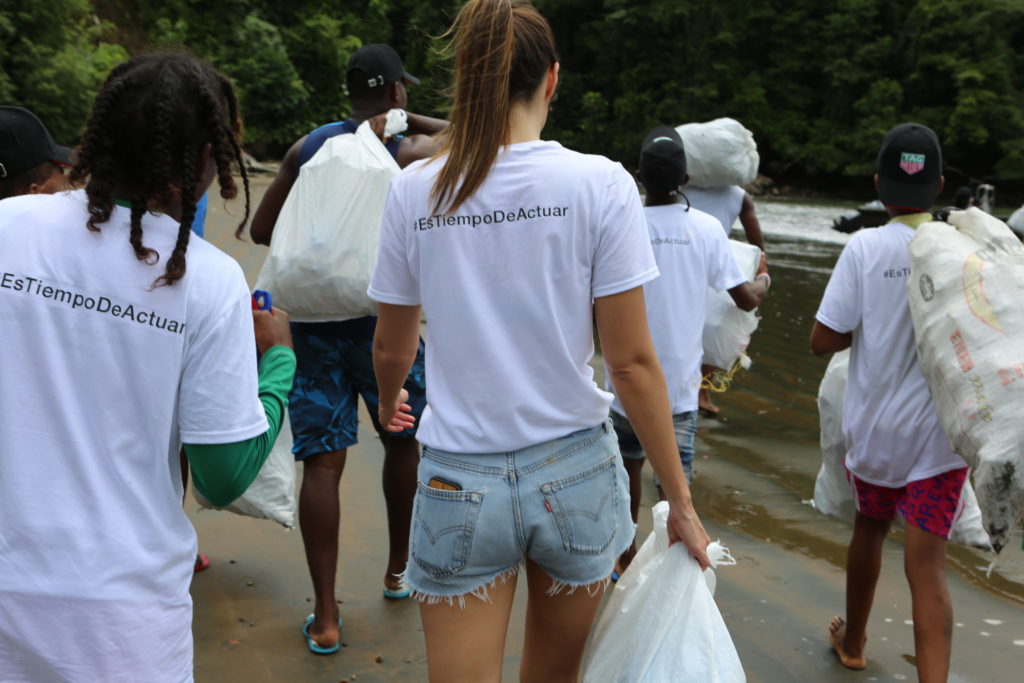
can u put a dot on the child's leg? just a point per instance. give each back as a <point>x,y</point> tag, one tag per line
<point>925,566</point>
<point>863,564</point>
<point>467,644</point>
<point>557,627</point>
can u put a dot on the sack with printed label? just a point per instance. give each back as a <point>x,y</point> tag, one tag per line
<point>965,292</point>
<point>661,622</point>
<point>833,492</point>
<point>727,328</point>
<point>324,245</point>
<point>272,494</point>
<point>719,152</point>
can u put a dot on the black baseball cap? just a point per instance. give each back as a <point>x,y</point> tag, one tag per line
<point>909,167</point>
<point>25,142</point>
<point>380,64</point>
<point>662,161</point>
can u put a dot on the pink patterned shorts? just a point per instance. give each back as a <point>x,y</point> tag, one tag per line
<point>930,504</point>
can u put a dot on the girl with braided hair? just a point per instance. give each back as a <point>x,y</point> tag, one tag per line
<point>125,336</point>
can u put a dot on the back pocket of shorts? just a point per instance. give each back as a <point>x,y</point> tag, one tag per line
<point>584,508</point>
<point>443,526</point>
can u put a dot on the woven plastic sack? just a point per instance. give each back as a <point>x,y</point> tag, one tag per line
<point>324,245</point>
<point>661,622</point>
<point>965,291</point>
<point>833,493</point>
<point>272,494</point>
<point>727,328</point>
<point>719,152</point>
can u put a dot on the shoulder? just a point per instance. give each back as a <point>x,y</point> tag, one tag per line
<point>62,208</point>
<point>210,273</point>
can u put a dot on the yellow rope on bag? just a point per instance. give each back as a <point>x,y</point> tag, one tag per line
<point>719,380</point>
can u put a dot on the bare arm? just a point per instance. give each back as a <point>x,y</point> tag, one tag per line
<point>416,147</point>
<point>826,340</point>
<point>424,125</point>
<point>263,221</point>
<point>395,343</point>
<point>749,295</point>
<point>640,385</point>
<point>748,219</point>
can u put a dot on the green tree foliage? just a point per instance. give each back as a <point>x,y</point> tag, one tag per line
<point>53,58</point>
<point>818,81</point>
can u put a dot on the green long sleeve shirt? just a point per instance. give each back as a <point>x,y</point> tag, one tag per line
<point>222,472</point>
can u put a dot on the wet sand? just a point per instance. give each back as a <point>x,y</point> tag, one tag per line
<point>756,467</point>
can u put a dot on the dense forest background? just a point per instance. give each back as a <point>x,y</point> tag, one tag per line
<point>817,81</point>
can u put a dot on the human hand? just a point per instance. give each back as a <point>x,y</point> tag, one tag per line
<point>684,525</point>
<point>397,417</point>
<point>272,329</point>
<point>762,266</point>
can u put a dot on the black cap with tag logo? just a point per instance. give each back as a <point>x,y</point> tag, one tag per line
<point>25,142</point>
<point>380,65</point>
<point>909,167</point>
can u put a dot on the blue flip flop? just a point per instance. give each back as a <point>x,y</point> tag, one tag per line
<point>311,644</point>
<point>399,593</point>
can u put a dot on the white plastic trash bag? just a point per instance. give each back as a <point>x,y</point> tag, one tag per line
<point>833,492</point>
<point>272,494</point>
<point>661,622</point>
<point>727,328</point>
<point>966,290</point>
<point>324,246</point>
<point>719,152</point>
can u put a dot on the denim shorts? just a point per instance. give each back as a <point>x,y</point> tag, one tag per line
<point>563,503</point>
<point>334,366</point>
<point>686,437</point>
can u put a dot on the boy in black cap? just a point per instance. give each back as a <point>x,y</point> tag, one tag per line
<point>692,253</point>
<point>898,458</point>
<point>335,363</point>
<point>30,161</point>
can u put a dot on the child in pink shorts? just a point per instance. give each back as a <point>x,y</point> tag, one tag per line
<point>898,458</point>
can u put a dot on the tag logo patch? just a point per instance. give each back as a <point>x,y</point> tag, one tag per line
<point>911,163</point>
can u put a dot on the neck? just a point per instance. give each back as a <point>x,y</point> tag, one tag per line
<point>895,212</point>
<point>526,119</point>
<point>172,209</point>
<point>662,199</point>
<point>360,114</point>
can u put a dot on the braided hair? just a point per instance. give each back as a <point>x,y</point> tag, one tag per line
<point>152,117</point>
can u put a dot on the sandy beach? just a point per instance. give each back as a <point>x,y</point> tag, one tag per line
<point>755,471</point>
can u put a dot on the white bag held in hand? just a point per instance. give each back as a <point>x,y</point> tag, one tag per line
<point>661,622</point>
<point>272,494</point>
<point>833,493</point>
<point>727,328</point>
<point>324,246</point>
<point>719,152</point>
<point>965,292</point>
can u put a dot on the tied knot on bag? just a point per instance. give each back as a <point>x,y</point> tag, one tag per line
<point>397,121</point>
<point>719,555</point>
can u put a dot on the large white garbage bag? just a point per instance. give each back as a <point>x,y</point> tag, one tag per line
<point>272,494</point>
<point>833,493</point>
<point>324,247</point>
<point>727,328</point>
<point>661,622</point>
<point>719,152</point>
<point>966,290</point>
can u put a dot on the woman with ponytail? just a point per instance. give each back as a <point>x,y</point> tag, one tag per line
<point>512,248</point>
<point>125,335</point>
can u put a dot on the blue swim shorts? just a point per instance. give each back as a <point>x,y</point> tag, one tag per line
<point>334,367</point>
<point>685,424</point>
<point>563,503</point>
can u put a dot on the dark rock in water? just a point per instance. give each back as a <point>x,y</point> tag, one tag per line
<point>847,224</point>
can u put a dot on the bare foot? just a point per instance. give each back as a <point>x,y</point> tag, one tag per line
<point>705,404</point>
<point>837,639</point>
<point>325,635</point>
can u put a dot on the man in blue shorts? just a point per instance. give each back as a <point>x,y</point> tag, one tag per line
<point>335,362</point>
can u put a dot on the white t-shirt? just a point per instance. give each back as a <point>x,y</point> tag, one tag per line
<point>101,381</point>
<point>692,254</point>
<point>507,285</point>
<point>724,202</point>
<point>892,433</point>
